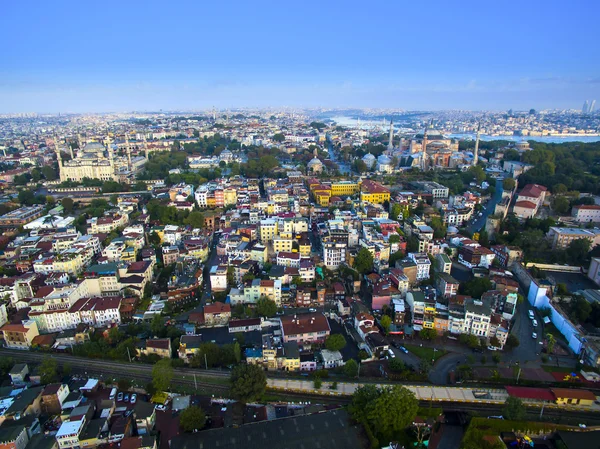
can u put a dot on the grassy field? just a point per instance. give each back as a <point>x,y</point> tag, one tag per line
<point>557,369</point>
<point>425,353</point>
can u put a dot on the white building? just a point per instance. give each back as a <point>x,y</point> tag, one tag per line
<point>334,254</point>
<point>477,318</point>
<point>423,265</point>
<point>585,213</point>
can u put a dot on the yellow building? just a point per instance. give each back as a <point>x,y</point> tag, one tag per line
<point>342,188</point>
<point>129,254</point>
<point>268,230</point>
<point>160,231</point>
<point>568,396</point>
<point>229,196</point>
<point>67,262</point>
<point>289,357</point>
<point>93,161</point>
<point>373,192</point>
<point>282,244</point>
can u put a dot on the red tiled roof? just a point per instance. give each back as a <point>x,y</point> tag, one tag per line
<point>304,324</point>
<point>526,204</point>
<point>217,307</point>
<point>159,343</point>
<point>573,394</point>
<point>542,394</point>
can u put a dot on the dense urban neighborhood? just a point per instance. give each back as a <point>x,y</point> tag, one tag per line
<point>168,279</point>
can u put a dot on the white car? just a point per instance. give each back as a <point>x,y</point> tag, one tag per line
<point>534,335</point>
<point>492,348</point>
<point>534,322</point>
<point>161,408</point>
<point>312,309</point>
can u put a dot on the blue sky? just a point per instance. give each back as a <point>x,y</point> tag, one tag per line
<point>67,56</point>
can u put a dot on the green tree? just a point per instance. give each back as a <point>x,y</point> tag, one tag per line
<point>428,334</point>
<point>512,342</point>
<point>279,137</point>
<point>154,238</point>
<point>266,307</point>
<point>561,289</point>
<point>385,322</point>
<point>509,184</point>
<point>550,343</point>
<point>396,365</point>
<point>124,384</point>
<point>581,309</point>
<point>48,172</point>
<point>156,325</point>
<point>195,219</point>
<point>48,370</point>
<point>351,368</point>
<point>248,383</point>
<point>162,374</point>
<point>387,410</point>
<point>335,342</point>
<point>395,211</point>
<point>192,418</point>
<point>560,205</point>
<point>514,409</point>
<point>363,355</point>
<point>363,263</point>
<point>317,382</point>
<point>476,287</point>
<point>495,342</point>
<point>478,174</point>
<point>360,166</point>
<point>318,125</point>
<point>578,250</point>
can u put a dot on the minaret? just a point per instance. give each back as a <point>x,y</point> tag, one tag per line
<point>476,152</point>
<point>59,159</point>
<point>145,147</point>
<point>71,150</point>
<point>110,156</point>
<point>424,149</point>
<point>128,151</point>
<point>391,142</point>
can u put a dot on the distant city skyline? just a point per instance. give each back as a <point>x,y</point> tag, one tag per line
<point>116,56</point>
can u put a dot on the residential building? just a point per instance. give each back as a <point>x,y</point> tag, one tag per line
<point>423,265</point>
<point>159,346</point>
<point>19,336</point>
<point>443,263</point>
<point>477,318</point>
<point>217,314</point>
<point>446,285</point>
<point>305,328</point>
<point>560,238</point>
<point>585,213</point>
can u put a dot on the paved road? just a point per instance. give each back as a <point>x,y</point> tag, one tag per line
<point>488,209</point>
<point>448,362</point>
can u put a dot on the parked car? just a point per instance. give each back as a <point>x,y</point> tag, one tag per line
<point>126,398</point>
<point>403,349</point>
<point>161,408</point>
<point>391,353</point>
<point>133,398</point>
<point>531,316</point>
<point>120,397</point>
<point>312,309</point>
<point>534,322</point>
<point>492,348</point>
<point>534,335</point>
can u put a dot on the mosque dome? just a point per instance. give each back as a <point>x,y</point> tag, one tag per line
<point>315,164</point>
<point>93,147</point>
<point>384,160</point>
<point>368,157</point>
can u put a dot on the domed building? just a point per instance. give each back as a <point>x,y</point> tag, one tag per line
<point>369,160</point>
<point>94,161</point>
<point>384,164</point>
<point>523,145</point>
<point>314,165</point>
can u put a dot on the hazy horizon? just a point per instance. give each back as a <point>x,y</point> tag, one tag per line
<point>73,57</point>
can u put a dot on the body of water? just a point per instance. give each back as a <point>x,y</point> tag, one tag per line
<point>367,124</point>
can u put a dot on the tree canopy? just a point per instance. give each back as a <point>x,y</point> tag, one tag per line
<point>266,307</point>
<point>386,410</point>
<point>514,409</point>
<point>248,383</point>
<point>192,418</point>
<point>162,374</point>
<point>335,342</point>
<point>363,262</point>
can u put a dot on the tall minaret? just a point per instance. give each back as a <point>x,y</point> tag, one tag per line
<point>70,150</point>
<point>424,149</point>
<point>59,159</point>
<point>110,155</point>
<point>145,147</point>
<point>128,151</point>
<point>391,142</point>
<point>476,152</point>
